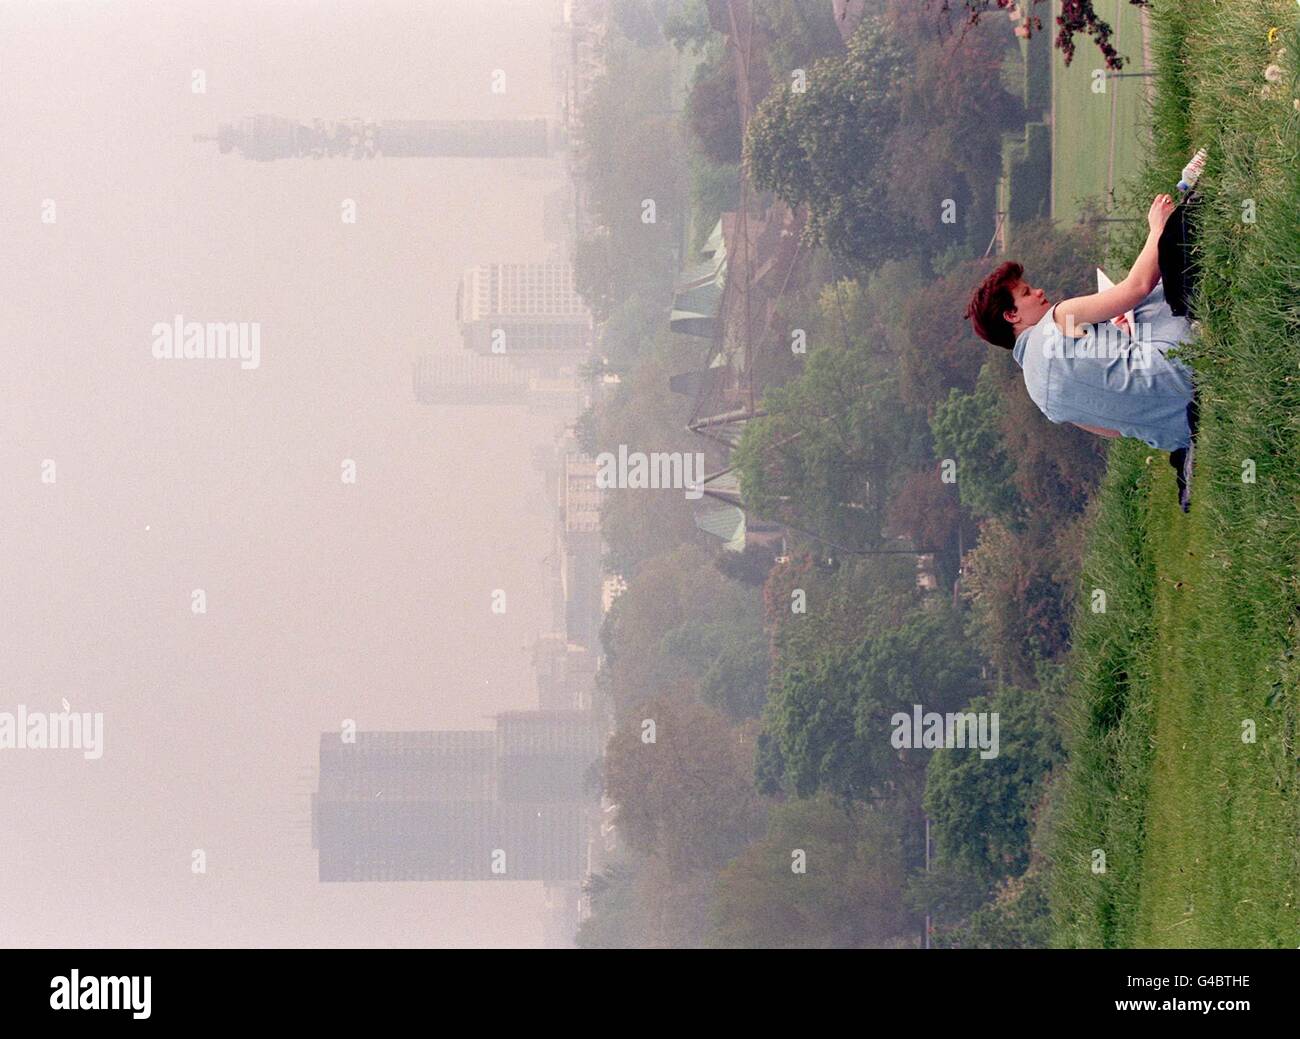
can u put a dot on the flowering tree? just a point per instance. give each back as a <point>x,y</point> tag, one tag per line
<point>1076,16</point>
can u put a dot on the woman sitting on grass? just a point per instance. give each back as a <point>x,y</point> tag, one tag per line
<point>1112,380</point>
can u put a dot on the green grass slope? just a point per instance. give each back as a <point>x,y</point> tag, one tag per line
<point>1200,828</point>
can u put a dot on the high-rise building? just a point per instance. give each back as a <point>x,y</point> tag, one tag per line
<point>451,840</point>
<point>545,755</point>
<point>463,378</point>
<point>507,804</point>
<point>581,497</point>
<point>409,766</point>
<point>265,138</point>
<point>566,673</point>
<point>581,571</point>
<point>528,312</point>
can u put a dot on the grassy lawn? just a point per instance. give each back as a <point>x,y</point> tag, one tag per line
<point>1201,829</point>
<point>1095,143</point>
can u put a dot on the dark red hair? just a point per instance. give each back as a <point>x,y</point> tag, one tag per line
<point>990,301</point>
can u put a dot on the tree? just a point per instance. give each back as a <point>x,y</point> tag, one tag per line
<point>939,351</point>
<point>678,603</point>
<point>822,146</point>
<point>1057,466</point>
<point>687,25</point>
<point>822,457</point>
<point>796,33</point>
<point>713,111</point>
<point>635,20</point>
<point>947,146</point>
<point>982,810</point>
<point>849,896</point>
<point>639,903</point>
<point>1018,917</point>
<point>613,923</point>
<point>630,149</point>
<point>687,797</point>
<point>715,189</point>
<point>829,719</point>
<point>925,510</point>
<point>1021,589</point>
<point>638,524</point>
<point>966,430</point>
<point>730,658</point>
<point>834,608</point>
<point>1076,16</point>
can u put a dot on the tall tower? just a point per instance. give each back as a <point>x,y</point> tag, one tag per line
<point>265,138</point>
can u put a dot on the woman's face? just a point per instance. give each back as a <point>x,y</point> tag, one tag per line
<point>1031,305</point>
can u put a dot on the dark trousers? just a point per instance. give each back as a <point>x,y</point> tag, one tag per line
<point>1179,270</point>
<point>1179,265</point>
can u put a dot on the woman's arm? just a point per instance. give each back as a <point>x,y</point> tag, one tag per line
<point>1071,314</point>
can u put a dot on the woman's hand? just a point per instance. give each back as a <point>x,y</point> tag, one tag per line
<point>1161,207</point>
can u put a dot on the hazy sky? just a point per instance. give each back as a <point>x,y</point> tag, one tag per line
<point>325,601</point>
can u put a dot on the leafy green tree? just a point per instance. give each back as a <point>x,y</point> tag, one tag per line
<point>687,25</point>
<point>715,189</point>
<point>687,797</point>
<point>638,524</point>
<point>939,352</point>
<point>636,20</point>
<point>822,457</point>
<point>1057,467</point>
<point>639,903</point>
<point>1020,585</point>
<point>967,429</point>
<point>613,923</point>
<point>982,810</point>
<point>849,896</point>
<point>713,111</point>
<point>731,659</point>
<point>750,566</point>
<point>954,108</point>
<point>1018,917</point>
<point>925,510</point>
<point>829,721</point>
<point>811,742</point>
<point>837,607</point>
<point>630,149</point>
<point>822,146</point>
<point>676,628</point>
<point>798,33</point>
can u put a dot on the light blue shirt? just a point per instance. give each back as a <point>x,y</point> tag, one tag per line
<point>1105,378</point>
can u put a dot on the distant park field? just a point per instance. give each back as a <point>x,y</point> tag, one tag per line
<point>1096,138</point>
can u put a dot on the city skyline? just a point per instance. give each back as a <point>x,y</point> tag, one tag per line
<point>324,599</point>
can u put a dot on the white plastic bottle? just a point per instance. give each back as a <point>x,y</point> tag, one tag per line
<point>1192,172</point>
